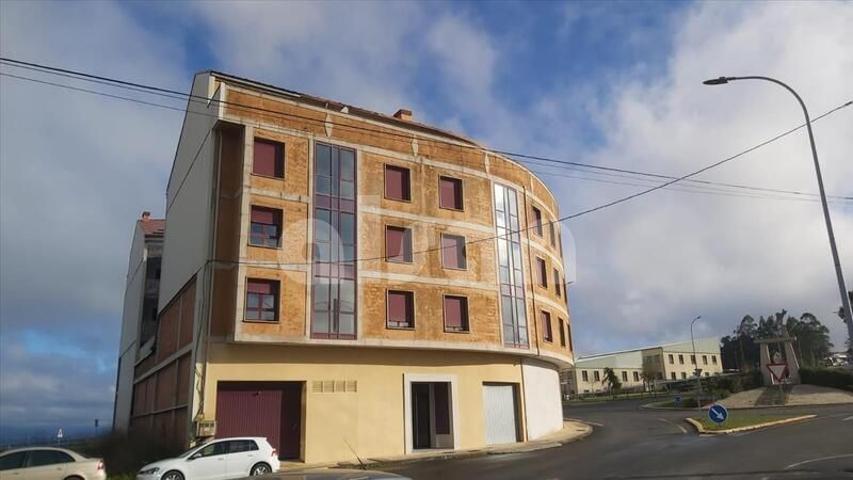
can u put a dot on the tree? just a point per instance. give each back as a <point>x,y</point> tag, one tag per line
<point>812,339</point>
<point>648,374</point>
<point>612,380</point>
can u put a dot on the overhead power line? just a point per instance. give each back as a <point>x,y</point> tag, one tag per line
<point>492,237</point>
<point>174,94</point>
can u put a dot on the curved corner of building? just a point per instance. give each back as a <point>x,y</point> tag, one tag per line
<point>543,408</point>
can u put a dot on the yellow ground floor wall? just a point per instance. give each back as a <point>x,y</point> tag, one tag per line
<point>354,398</point>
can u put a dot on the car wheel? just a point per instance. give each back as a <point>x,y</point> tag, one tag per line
<point>172,475</point>
<point>259,469</point>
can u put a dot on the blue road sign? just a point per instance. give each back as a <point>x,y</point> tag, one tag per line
<point>718,413</point>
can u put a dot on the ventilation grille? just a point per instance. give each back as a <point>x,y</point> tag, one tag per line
<point>334,386</point>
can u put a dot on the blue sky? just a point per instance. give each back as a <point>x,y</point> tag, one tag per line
<point>610,83</point>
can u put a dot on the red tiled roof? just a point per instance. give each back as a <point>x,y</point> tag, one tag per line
<point>153,226</point>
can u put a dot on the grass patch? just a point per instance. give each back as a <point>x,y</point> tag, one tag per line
<point>741,419</point>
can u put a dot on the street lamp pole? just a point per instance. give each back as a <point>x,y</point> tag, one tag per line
<point>696,366</point>
<point>845,301</point>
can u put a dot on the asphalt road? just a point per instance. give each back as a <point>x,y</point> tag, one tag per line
<point>634,443</point>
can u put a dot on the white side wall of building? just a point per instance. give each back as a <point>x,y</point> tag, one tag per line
<point>132,315</point>
<point>543,407</point>
<point>189,194</point>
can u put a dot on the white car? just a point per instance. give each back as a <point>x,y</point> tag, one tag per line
<point>46,463</point>
<point>219,459</point>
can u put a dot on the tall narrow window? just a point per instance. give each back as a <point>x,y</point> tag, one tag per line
<point>268,158</point>
<point>401,309</point>
<point>624,376</point>
<point>585,375</point>
<point>537,221</point>
<point>596,376</point>
<point>334,268</point>
<point>450,193</point>
<point>265,228</point>
<point>261,300</point>
<point>398,183</point>
<point>455,313</point>
<point>553,234</point>
<point>398,244</point>
<point>562,333</point>
<point>636,376</point>
<point>547,333</point>
<point>704,359</point>
<point>453,252</point>
<point>510,268</point>
<point>541,273</point>
<point>557,288</point>
<point>569,333</point>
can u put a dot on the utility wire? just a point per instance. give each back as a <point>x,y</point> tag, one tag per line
<point>510,233</point>
<point>150,89</point>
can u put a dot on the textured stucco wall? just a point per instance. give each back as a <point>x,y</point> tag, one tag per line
<point>543,407</point>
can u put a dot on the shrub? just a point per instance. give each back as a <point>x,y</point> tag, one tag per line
<point>828,377</point>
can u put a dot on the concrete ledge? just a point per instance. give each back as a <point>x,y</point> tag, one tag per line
<point>572,431</point>
<point>701,429</point>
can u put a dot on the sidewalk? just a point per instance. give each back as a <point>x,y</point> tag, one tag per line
<point>571,432</point>
<point>799,395</point>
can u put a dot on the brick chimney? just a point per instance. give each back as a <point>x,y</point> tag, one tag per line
<point>146,215</point>
<point>404,114</point>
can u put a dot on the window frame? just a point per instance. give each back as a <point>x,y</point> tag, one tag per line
<point>465,319</point>
<point>407,196</point>
<point>411,295</point>
<point>407,233</point>
<point>681,359</point>
<point>596,375</point>
<point>584,375</point>
<point>557,283</point>
<point>461,184</point>
<point>541,272</point>
<point>636,376</point>
<point>280,153</point>
<point>278,215</point>
<point>713,359</point>
<point>547,333</point>
<point>536,213</point>
<point>671,358</point>
<point>562,332</point>
<point>464,250</point>
<point>276,297</point>
<point>625,376</point>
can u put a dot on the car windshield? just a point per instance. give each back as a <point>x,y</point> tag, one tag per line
<point>190,451</point>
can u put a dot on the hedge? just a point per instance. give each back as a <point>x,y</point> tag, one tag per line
<point>828,377</point>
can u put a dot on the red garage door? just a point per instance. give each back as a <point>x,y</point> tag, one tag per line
<point>262,409</point>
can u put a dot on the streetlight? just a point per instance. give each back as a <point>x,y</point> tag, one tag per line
<point>845,301</point>
<point>696,367</point>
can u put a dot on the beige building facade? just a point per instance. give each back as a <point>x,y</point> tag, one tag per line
<point>662,364</point>
<point>349,283</point>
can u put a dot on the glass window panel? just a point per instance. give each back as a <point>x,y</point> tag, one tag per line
<point>268,301</point>
<point>324,185</point>
<point>347,296</point>
<point>347,253</point>
<point>252,300</point>
<point>268,315</point>
<point>321,294</point>
<point>322,252</point>
<point>253,314</point>
<point>324,160</point>
<point>347,190</point>
<point>346,323</point>
<point>504,274</point>
<point>347,164</point>
<point>320,322</point>
<point>347,228</point>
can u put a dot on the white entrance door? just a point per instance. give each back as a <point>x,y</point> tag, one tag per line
<point>500,414</point>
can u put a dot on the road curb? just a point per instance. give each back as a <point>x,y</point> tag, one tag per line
<point>700,429</point>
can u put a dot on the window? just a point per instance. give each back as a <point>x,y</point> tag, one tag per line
<point>596,376</point>
<point>398,183</point>
<point>681,359</point>
<point>693,359</point>
<point>236,446</point>
<point>266,227</point>
<point>212,449</point>
<point>398,244</point>
<point>453,252</point>
<point>636,376</point>
<point>12,461</point>
<point>704,359</point>
<point>401,309</point>
<point>553,234</point>
<point>683,375</point>
<point>672,375</point>
<point>624,376</point>
<point>569,332</point>
<point>562,333</point>
<point>510,268</point>
<point>671,359</point>
<point>261,300</point>
<point>450,193</point>
<point>584,375</point>
<point>455,314</point>
<point>557,281</point>
<point>541,272</point>
<point>268,158</point>
<point>547,334</point>
<point>537,221</point>
<point>38,458</point>
<point>334,244</point>
<point>714,359</point>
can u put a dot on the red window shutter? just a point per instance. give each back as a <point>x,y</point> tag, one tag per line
<point>267,159</point>
<point>264,215</point>
<point>399,308</point>
<point>450,193</point>
<point>453,251</point>
<point>396,182</point>
<point>394,243</point>
<point>543,276</point>
<point>454,312</point>
<point>259,286</point>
